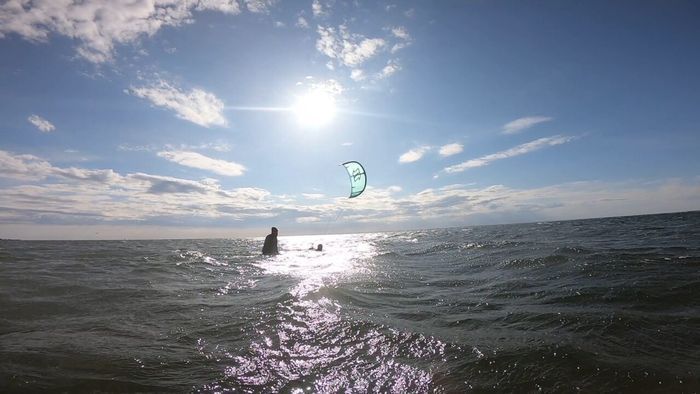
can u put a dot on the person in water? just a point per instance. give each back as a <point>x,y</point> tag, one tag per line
<point>270,246</point>
<point>319,248</point>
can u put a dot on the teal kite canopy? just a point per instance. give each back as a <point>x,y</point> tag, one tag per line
<point>358,178</point>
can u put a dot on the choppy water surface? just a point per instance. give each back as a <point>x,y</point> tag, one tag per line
<point>604,305</point>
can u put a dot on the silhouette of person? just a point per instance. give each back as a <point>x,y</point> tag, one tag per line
<point>270,246</point>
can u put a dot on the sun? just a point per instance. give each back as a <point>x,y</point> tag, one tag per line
<point>315,109</point>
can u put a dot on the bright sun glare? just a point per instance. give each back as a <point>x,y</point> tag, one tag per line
<point>315,109</point>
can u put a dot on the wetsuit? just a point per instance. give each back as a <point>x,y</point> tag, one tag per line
<point>270,246</point>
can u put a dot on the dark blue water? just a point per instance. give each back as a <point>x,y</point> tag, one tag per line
<point>604,305</point>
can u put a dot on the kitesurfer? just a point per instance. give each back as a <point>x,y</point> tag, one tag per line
<point>270,246</point>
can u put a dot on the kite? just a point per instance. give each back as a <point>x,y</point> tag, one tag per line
<point>358,177</point>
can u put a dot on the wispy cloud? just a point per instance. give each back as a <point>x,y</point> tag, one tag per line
<point>158,184</point>
<point>302,22</point>
<point>401,33</point>
<point>30,167</point>
<point>219,146</point>
<point>512,152</point>
<point>349,49</point>
<point>97,35</point>
<point>41,123</point>
<point>259,6</point>
<point>390,69</point>
<point>197,106</point>
<point>451,149</point>
<point>197,160</point>
<point>320,9</point>
<point>313,196</point>
<point>26,167</point>
<point>358,75</point>
<point>308,219</point>
<point>525,123</point>
<point>414,154</point>
<point>359,52</point>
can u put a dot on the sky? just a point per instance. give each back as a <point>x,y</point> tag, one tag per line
<point>221,118</point>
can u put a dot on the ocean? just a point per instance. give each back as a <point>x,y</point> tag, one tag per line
<point>601,305</point>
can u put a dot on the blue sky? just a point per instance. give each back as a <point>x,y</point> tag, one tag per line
<point>218,118</point>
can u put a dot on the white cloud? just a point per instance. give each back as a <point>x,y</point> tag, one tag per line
<point>413,154</point>
<point>301,22</point>
<point>67,195</point>
<point>353,50</point>
<point>451,149</point>
<point>41,123</point>
<point>399,46</point>
<point>225,6</point>
<point>349,49</point>
<point>100,25</point>
<point>23,166</point>
<point>330,86</point>
<point>88,198</point>
<point>197,160</point>
<point>512,152</point>
<point>197,106</point>
<point>525,123</point>
<point>346,144</point>
<point>400,32</point>
<point>218,146</point>
<point>357,75</point>
<point>319,9</point>
<point>259,6</point>
<point>313,196</point>
<point>29,167</point>
<point>466,205</point>
<point>308,219</point>
<point>391,67</point>
<point>157,184</point>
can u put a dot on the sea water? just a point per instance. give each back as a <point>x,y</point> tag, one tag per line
<point>602,305</point>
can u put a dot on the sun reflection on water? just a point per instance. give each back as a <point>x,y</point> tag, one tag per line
<point>342,255</point>
<point>309,341</point>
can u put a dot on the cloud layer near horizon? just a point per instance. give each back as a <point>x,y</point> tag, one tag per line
<point>40,193</point>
